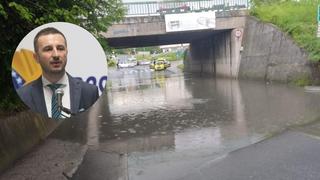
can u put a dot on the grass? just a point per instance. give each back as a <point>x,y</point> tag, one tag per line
<point>140,57</point>
<point>302,81</point>
<point>170,56</point>
<point>297,18</point>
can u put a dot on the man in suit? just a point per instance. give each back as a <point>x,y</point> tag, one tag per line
<point>50,46</point>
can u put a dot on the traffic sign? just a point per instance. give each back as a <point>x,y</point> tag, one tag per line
<point>238,33</point>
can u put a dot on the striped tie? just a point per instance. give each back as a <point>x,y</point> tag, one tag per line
<point>55,113</point>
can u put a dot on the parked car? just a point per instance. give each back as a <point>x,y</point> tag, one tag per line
<point>124,64</point>
<point>159,65</point>
<point>133,61</point>
<point>152,63</point>
<point>144,62</point>
<point>166,63</point>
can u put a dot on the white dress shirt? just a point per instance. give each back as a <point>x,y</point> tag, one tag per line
<point>48,94</point>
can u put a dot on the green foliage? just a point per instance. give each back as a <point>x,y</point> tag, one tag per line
<point>171,56</point>
<point>180,54</point>
<point>120,51</point>
<point>297,18</point>
<point>22,11</point>
<point>151,49</point>
<point>140,57</point>
<point>302,81</point>
<point>2,12</point>
<point>18,18</point>
<point>112,63</point>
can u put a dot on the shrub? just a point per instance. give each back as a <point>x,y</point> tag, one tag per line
<point>140,57</point>
<point>112,63</point>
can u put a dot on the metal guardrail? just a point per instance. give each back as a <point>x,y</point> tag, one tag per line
<point>182,6</point>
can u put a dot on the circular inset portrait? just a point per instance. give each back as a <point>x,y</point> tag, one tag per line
<point>59,70</point>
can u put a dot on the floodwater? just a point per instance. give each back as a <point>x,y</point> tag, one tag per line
<point>165,124</point>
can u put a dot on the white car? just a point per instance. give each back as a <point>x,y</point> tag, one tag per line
<point>125,64</point>
<point>132,61</point>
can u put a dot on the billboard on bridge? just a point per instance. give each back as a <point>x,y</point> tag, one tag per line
<point>190,21</point>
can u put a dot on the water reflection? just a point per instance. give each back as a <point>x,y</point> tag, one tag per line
<point>157,103</point>
<point>166,124</point>
<point>174,125</point>
<point>148,94</point>
<point>197,139</point>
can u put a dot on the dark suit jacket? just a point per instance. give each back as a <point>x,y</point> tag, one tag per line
<point>82,95</point>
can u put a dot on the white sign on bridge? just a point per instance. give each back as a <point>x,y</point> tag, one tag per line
<point>190,21</point>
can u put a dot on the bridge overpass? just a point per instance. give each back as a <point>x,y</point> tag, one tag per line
<point>143,31</point>
<point>214,50</point>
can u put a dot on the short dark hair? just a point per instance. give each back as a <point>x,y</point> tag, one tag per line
<point>46,31</point>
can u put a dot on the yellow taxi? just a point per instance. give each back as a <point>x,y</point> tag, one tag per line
<point>159,65</point>
<point>166,63</point>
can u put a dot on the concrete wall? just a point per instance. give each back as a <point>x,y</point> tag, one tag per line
<point>200,57</point>
<point>253,50</point>
<point>19,133</point>
<point>218,55</point>
<point>155,25</point>
<point>270,54</point>
<point>222,54</point>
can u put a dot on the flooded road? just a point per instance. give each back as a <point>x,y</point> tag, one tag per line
<point>166,125</point>
<point>162,125</point>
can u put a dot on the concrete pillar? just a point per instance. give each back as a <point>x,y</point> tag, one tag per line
<point>223,54</point>
<point>201,59</point>
<point>217,55</point>
<point>236,47</point>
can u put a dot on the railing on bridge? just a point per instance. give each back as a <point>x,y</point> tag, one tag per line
<point>181,6</point>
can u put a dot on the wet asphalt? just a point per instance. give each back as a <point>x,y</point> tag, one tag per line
<point>173,125</point>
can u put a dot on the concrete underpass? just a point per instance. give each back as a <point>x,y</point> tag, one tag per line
<point>212,51</point>
<point>174,125</point>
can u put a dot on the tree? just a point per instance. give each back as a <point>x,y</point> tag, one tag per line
<point>19,18</point>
